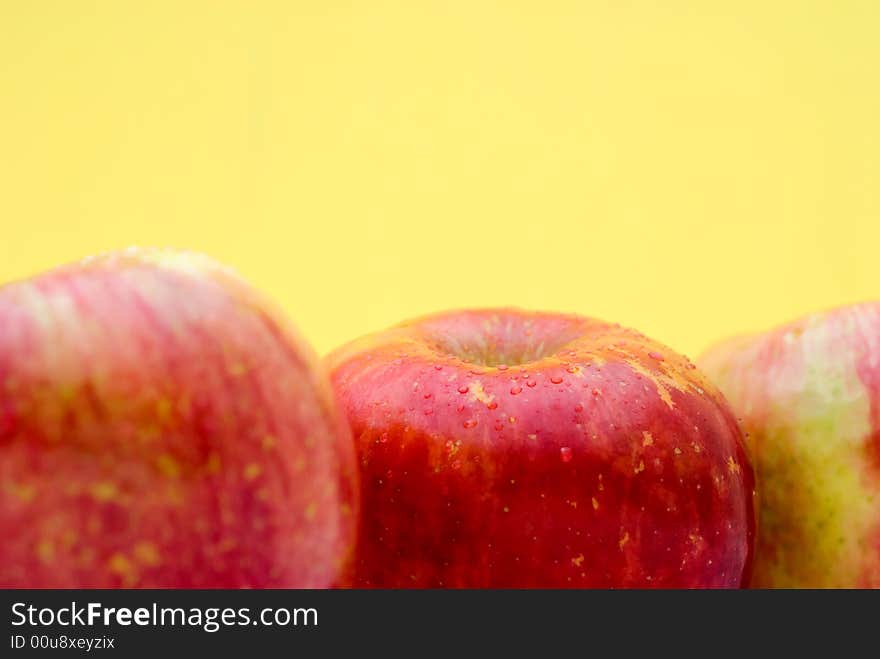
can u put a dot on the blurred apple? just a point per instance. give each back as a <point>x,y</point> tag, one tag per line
<point>501,448</point>
<point>808,394</point>
<point>161,426</point>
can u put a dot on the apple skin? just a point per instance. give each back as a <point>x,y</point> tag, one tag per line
<point>162,427</point>
<point>507,449</point>
<point>808,394</point>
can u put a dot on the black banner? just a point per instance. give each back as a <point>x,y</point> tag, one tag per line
<point>292,622</point>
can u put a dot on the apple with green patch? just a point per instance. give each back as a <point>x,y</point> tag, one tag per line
<point>808,394</point>
<point>503,448</point>
<point>162,426</point>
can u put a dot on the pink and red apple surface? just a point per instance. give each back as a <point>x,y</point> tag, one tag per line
<point>808,393</point>
<point>161,425</point>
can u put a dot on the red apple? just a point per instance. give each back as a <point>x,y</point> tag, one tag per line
<point>161,426</point>
<point>501,448</point>
<point>809,396</point>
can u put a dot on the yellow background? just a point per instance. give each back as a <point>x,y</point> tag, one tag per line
<point>693,169</point>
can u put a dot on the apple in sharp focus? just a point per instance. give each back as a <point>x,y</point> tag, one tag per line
<point>503,448</point>
<point>162,426</point>
<point>808,394</point>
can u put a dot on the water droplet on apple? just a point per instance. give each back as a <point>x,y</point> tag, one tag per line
<point>515,389</point>
<point>438,367</point>
<point>656,355</point>
<point>578,408</point>
<point>470,423</point>
<point>556,379</point>
<point>596,392</point>
<point>492,405</point>
<point>463,389</point>
<point>427,396</point>
<point>565,454</point>
<point>531,383</point>
<point>502,367</point>
<point>383,438</point>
